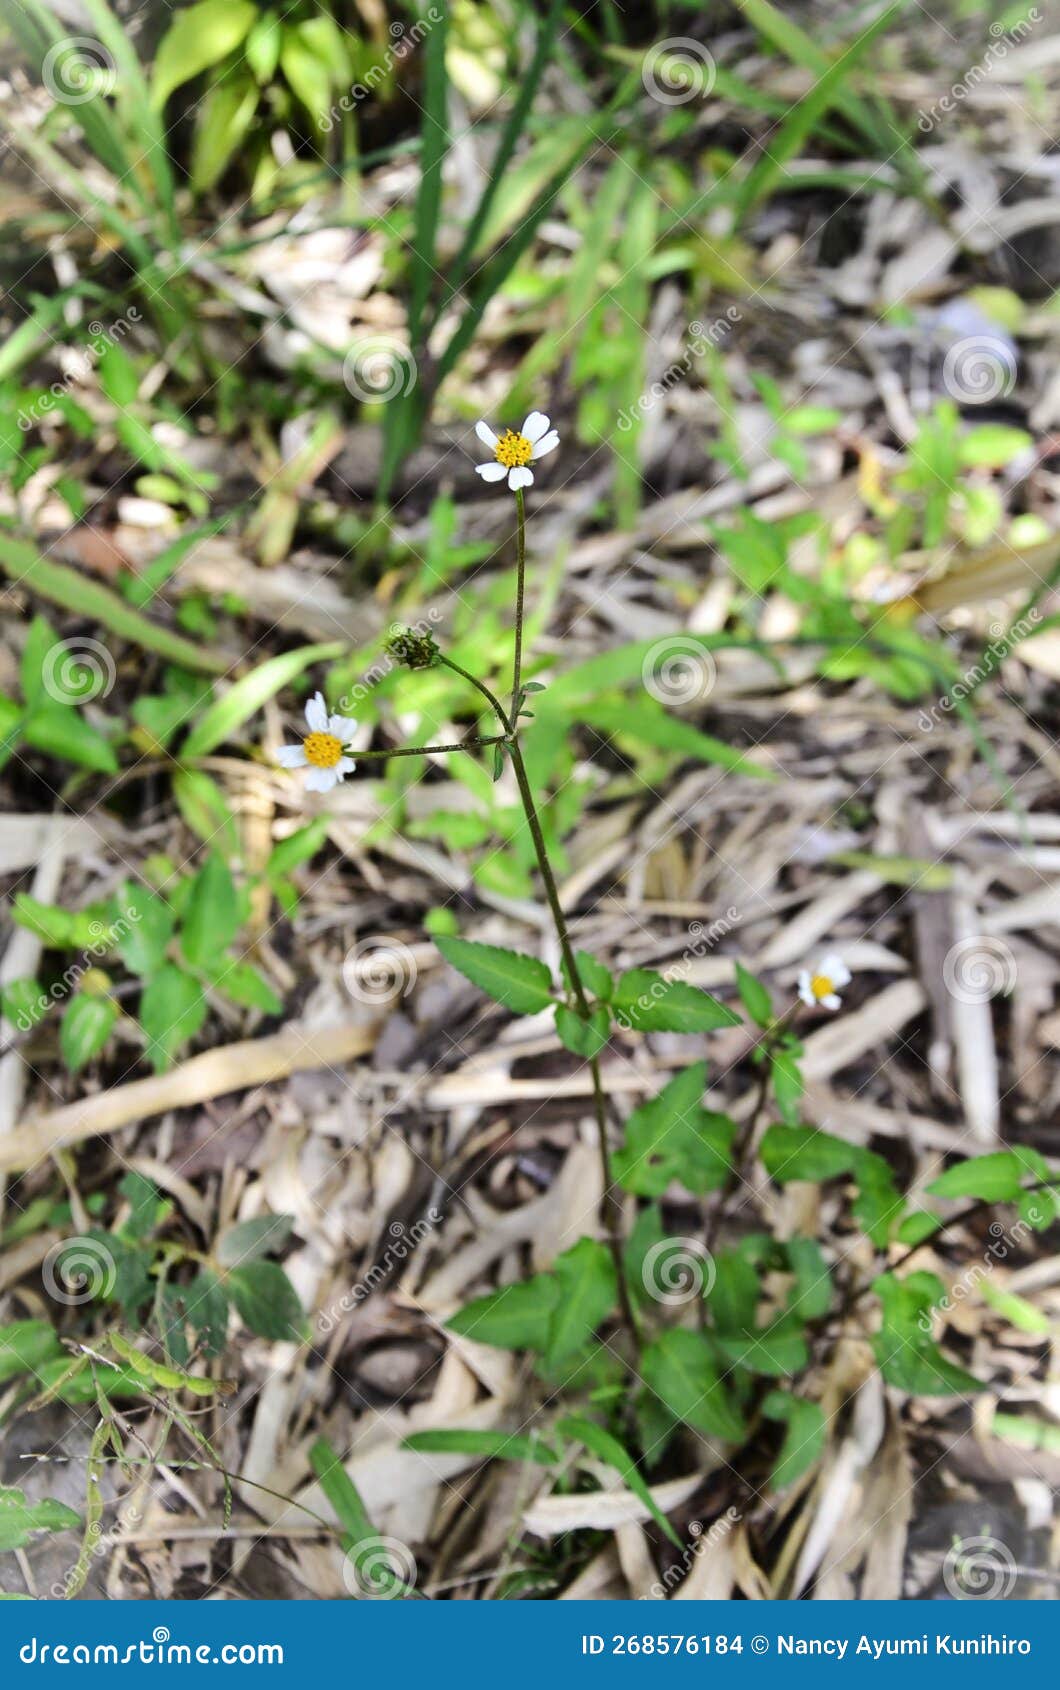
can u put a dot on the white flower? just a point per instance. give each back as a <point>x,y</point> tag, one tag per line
<point>823,984</point>
<point>322,749</point>
<point>514,453</point>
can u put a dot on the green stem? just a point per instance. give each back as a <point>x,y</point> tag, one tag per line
<point>612,1201</point>
<point>520,585</point>
<point>422,750</point>
<point>491,698</point>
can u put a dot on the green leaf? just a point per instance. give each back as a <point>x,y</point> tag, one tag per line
<point>585,1275</point>
<point>262,50</point>
<point>266,1300</point>
<point>521,983</point>
<point>146,1205</point>
<point>248,1241</point>
<point>199,36</point>
<point>584,1038</point>
<point>994,1178</point>
<point>993,446</point>
<point>242,701</point>
<point>776,1351</point>
<point>85,1028</point>
<point>680,1367</point>
<point>601,1443</point>
<point>59,929</point>
<point>906,1353</point>
<point>308,75</point>
<point>787,1085</point>
<point>60,731</point>
<point>343,1495</point>
<point>651,724</point>
<point>172,1009</point>
<point>205,809</point>
<point>19,1519</point>
<point>24,1003</point>
<point>733,1297</point>
<point>206,1304</point>
<point>143,929</point>
<point>594,977</point>
<point>516,1317</point>
<point>491,1446</point>
<point>811,1295</point>
<point>804,1435</point>
<point>918,1226</point>
<point>242,982</point>
<point>211,918</point>
<point>801,1152</point>
<point>79,595</point>
<point>756,1000</point>
<point>646,1002</point>
<point>25,1346</point>
<point>297,848</point>
<point>672,1137</point>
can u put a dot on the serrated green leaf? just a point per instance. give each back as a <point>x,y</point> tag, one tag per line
<point>514,1318</point>
<point>995,1178</point>
<point>172,1009</point>
<point>647,1003</point>
<point>756,1000</point>
<point>584,1038</point>
<point>585,1275</point>
<point>906,1352</point>
<point>521,983</point>
<point>804,1435</point>
<point>776,1351</point>
<point>681,1368</point>
<point>19,1519</point>
<point>672,1137</point>
<point>211,916</point>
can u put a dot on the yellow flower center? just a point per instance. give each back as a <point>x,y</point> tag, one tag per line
<point>821,986</point>
<point>322,750</point>
<point>513,450</point>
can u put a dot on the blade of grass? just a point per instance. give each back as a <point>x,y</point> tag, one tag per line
<point>73,591</point>
<point>434,144</point>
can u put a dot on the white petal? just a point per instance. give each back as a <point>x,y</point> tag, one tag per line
<point>320,780</point>
<point>806,990</point>
<point>835,969</point>
<point>491,472</point>
<point>316,713</point>
<point>343,727</point>
<point>345,766</point>
<point>520,478</point>
<point>486,435</point>
<point>291,757</point>
<point>549,444</point>
<point>535,427</point>
<point>830,1002</point>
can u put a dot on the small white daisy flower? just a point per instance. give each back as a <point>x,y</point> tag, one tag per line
<point>514,453</point>
<point>823,984</point>
<point>321,752</point>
